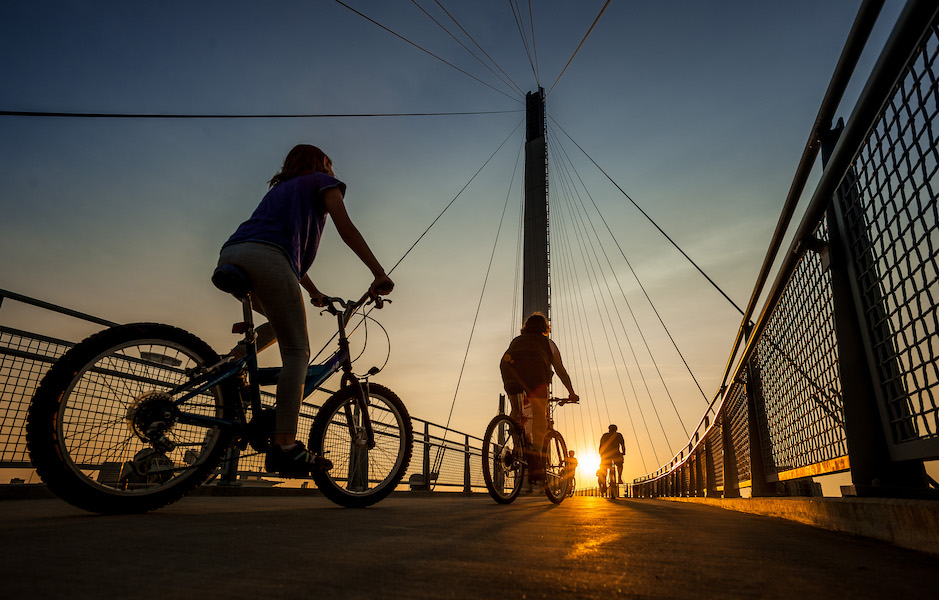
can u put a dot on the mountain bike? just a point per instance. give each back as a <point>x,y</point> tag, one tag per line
<point>137,416</point>
<point>506,448</point>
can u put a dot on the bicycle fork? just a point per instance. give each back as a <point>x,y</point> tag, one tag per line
<point>360,429</point>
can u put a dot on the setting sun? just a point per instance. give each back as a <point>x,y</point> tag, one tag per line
<point>587,466</point>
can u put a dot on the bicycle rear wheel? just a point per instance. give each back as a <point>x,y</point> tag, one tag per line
<point>105,431</point>
<point>556,482</point>
<point>362,476</point>
<point>503,464</point>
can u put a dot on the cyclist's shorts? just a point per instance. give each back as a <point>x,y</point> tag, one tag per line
<point>607,462</point>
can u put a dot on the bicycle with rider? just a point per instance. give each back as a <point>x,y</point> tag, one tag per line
<point>526,375</point>
<point>612,450</point>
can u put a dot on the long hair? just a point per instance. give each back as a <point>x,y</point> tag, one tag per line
<point>302,159</point>
<point>536,323</point>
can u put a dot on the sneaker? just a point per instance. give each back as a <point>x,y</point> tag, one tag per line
<point>295,462</point>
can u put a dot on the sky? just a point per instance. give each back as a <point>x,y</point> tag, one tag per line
<point>699,111</point>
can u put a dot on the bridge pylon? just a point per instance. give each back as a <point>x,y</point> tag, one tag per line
<point>536,281</point>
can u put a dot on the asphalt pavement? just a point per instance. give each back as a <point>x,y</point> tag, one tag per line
<point>441,546</point>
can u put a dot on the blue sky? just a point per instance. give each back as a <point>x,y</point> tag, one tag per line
<point>699,111</point>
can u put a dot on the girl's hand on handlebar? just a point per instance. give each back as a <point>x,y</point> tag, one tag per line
<point>381,286</point>
<point>319,299</point>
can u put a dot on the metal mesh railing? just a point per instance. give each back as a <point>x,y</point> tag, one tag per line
<point>25,357</point>
<point>737,421</point>
<point>892,219</point>
<point>715,457</point>
<point>797,379</point>
<point>885,192</point>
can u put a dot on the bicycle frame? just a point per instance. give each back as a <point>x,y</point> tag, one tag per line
<point>317,374</point>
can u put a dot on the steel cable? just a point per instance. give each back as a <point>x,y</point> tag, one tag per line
<point>569,167</point>
<point>578,46</point>
<point>439,457</point>
<point>510,83</point>
<point>422,49</point>
<point>589,268</point>
<point>656,225</point>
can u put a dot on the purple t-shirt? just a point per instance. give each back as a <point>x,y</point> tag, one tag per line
<point>291,216</point>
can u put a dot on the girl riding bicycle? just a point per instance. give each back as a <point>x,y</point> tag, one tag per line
<point>276,247</point>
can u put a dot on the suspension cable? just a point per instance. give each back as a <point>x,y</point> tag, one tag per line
<point>578,46</point>
<point>534,45</point>
<point>623,292</point>
<point>589,269</point>
<point>447,207</point>
<point>592,345</point>
<point>482,293</point>
<point>422,49</point>
<point>586,402</point>
<point>457,40</point>
<point>596,239</point>
<point>572,304</point>
<point>639,208</point>
<point>517,13</point>
<point>472,39</point>
<point>34,113</point>
<point>638,281</point>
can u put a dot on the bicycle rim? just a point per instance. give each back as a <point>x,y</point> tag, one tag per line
<point>362,476</point>
<point>119,442</point>
<point>556,482</point>
<point>503,467</point>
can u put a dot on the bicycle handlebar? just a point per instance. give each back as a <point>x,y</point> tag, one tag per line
<point>335,306</point>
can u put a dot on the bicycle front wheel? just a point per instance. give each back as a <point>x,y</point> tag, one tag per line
<point>556,481</point>
<point>361,476</point>
<point>106,430</point>
<point>503,459</point>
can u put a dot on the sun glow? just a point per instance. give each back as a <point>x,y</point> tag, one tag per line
<point>587,466</point>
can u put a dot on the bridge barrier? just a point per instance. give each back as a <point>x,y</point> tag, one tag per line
<point>840,371</point>
<point>450,460</point>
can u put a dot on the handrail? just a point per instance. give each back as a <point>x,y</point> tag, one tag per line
<point>897,52</point>
<point>54,307</point>
<point>844,69</point>
<point>903,42</point>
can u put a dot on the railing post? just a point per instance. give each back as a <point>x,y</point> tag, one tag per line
<point>711,472</point>
<point>873,471</point>
<point>756,421</point>
<point>426,471</point>
<point>467,484</point>
<point>698,474</point>
<point>730,459</point>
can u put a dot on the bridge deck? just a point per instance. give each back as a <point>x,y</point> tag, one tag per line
<point>444,546</point>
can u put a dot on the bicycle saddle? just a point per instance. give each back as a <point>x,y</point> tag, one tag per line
<point>232,279</point>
